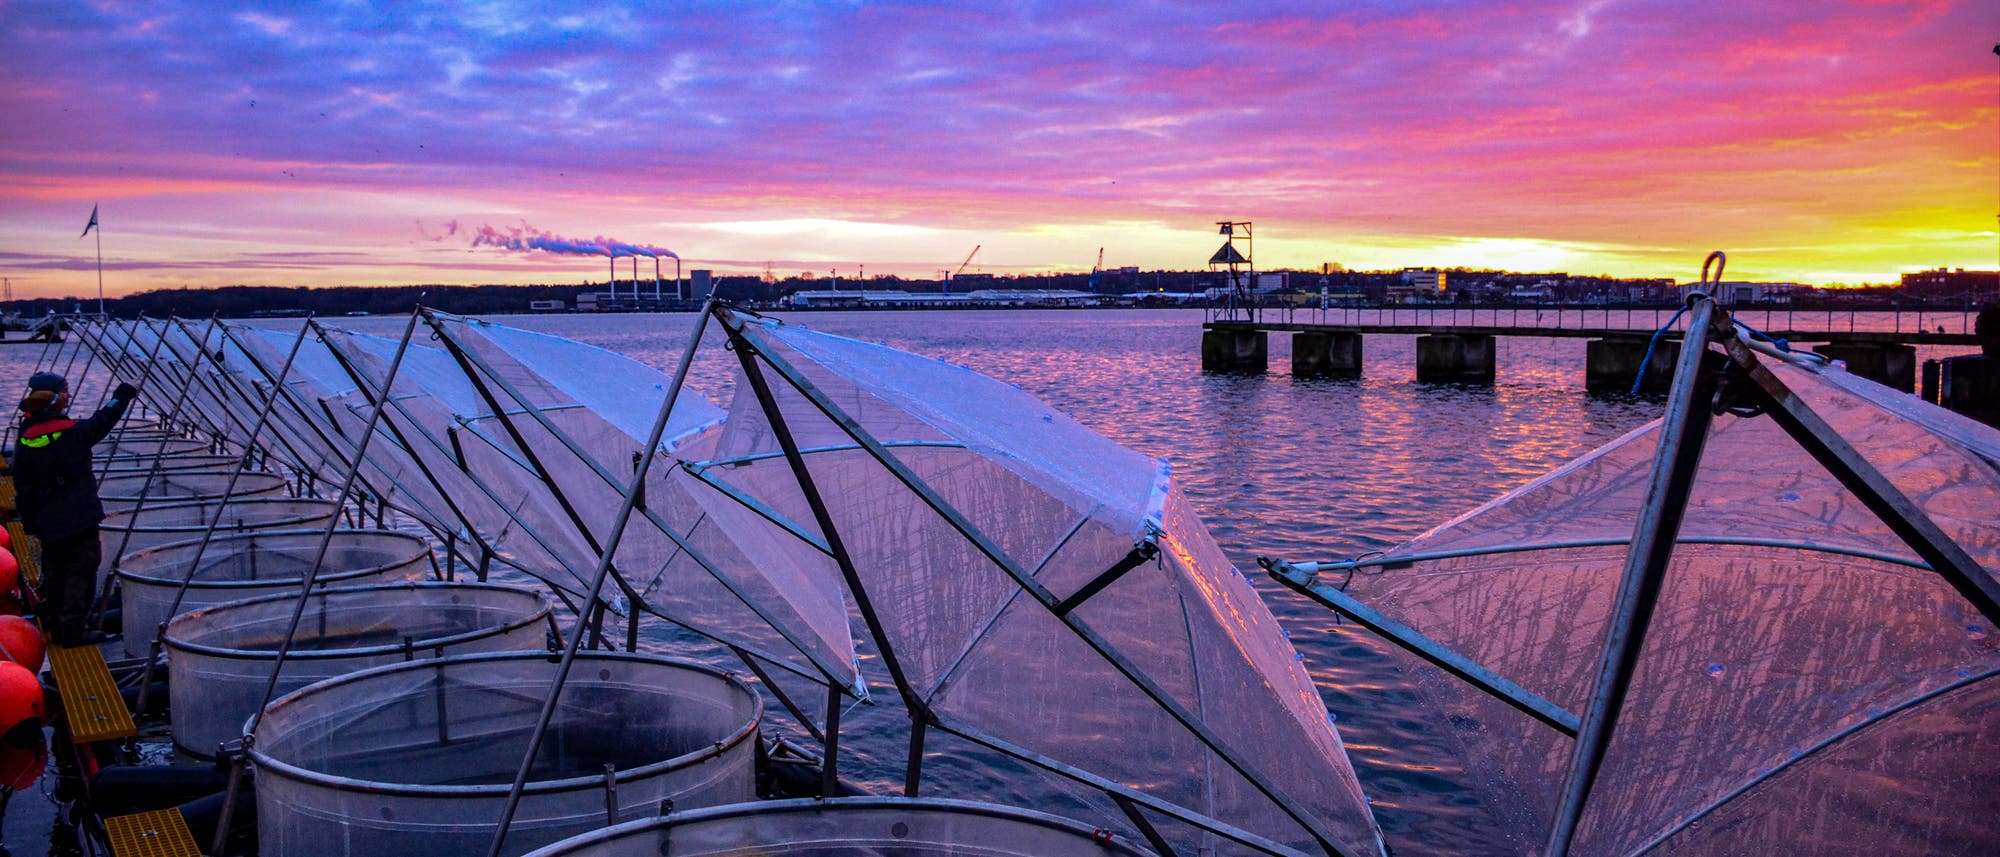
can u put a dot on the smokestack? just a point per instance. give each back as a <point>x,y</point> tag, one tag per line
<point>635,279</point>
<point>614,275</point>
<point>656,279</point>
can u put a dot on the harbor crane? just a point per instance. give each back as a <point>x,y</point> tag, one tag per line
<point>961,266</point>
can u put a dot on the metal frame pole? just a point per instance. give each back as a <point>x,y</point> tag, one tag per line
<point>333,445</point>
<point>145,377</point>
<point>208,534</point>
<point>1414,642</point>
<point>468,358</point>
<point>376,398</point>
<point>229,388</point>
<point>605,555</point>
<point>325,541</point>
<point>472,369</point>
<point>1682,434</point>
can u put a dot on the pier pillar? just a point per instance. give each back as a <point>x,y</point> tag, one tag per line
<point>1610,365</point>
<point>1970,385</point>
<point>1455,358</point>
<point>1235,350</point>
<point>1888,363</point>
<point>1326,354</point>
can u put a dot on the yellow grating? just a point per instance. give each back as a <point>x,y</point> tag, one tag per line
<point>160,833</point>
<point>27,553</point>
<point>7,494</point>
<point>90,698</point>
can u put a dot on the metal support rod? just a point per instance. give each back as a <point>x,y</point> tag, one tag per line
<point>1903,516</point>
<point>1414,642</point>
<point>383,396</point>
<point>1682,433</point>
<point>1138,556</point>
<point>145,376</point>
<point>829,765</point>
<point>746,355</point>
<point>228,813</point>
<point>474,361</point>
<point>215,521</point>
<point>326,540</point>
<point>478,373</point>
<point>913,769</point>
<point>152,472</point>
<point>595,596</point>
<point>744,338</point>
<point>784,699</point>
<point>1153,837</point>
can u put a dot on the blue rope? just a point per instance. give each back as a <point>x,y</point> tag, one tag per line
<point>1783,345</point>
<point>1648,361</point>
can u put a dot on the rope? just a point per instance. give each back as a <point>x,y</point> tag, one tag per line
<point>1647,361</point>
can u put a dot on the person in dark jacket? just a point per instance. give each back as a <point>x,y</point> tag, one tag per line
<point>56,496</point>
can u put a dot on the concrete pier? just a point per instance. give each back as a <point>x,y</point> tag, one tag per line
<point>1611,365</point>
<point>1326,354</point>
<point>1229,349</point>
<point>1887,363</point>
<point>1455,358</point>
<point>1969,385</point>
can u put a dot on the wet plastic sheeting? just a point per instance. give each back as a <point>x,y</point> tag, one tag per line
<point>220,657</point>
<point>135,530</point>
<point>176,486</point>
<point>1783,699</point>
<point>1065,505</point>
<point>418,758</point>
<point>248,565</point>
<point>713,578</point>
<point>850,827</point>
<point>326,412</point>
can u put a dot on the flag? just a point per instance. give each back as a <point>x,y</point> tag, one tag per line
<point>92,224</point>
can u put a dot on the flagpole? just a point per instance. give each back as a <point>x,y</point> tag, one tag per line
<point>100,263</point>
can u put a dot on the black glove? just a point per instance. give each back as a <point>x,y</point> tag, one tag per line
<point>125,393</point>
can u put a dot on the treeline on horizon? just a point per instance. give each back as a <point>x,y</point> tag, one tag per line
<point>240,301</point>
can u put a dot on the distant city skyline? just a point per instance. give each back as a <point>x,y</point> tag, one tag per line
<point>498,143</point>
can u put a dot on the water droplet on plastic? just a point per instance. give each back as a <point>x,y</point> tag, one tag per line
<point>1048,419</point>
<point>1789,497</point>
<point>1975,632</point>
<point>1716,670</point>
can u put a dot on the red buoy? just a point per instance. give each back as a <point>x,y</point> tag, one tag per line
<point>20,696</point>
<point>21,643</point>
<point>10,572</point>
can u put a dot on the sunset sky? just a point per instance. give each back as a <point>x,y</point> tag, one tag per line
<point>338,143</point>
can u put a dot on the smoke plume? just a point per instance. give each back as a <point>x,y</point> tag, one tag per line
<point>525,238</point>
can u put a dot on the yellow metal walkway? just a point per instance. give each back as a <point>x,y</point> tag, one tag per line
<point>90,698</point>
<point>27,552</point>
<point>160,833</point>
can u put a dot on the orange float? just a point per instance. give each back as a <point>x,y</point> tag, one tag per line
<point>20,696</point>
<point>10,572</point>
<point>21,643</point>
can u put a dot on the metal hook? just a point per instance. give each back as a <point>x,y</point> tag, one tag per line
<point>1719,260</point>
